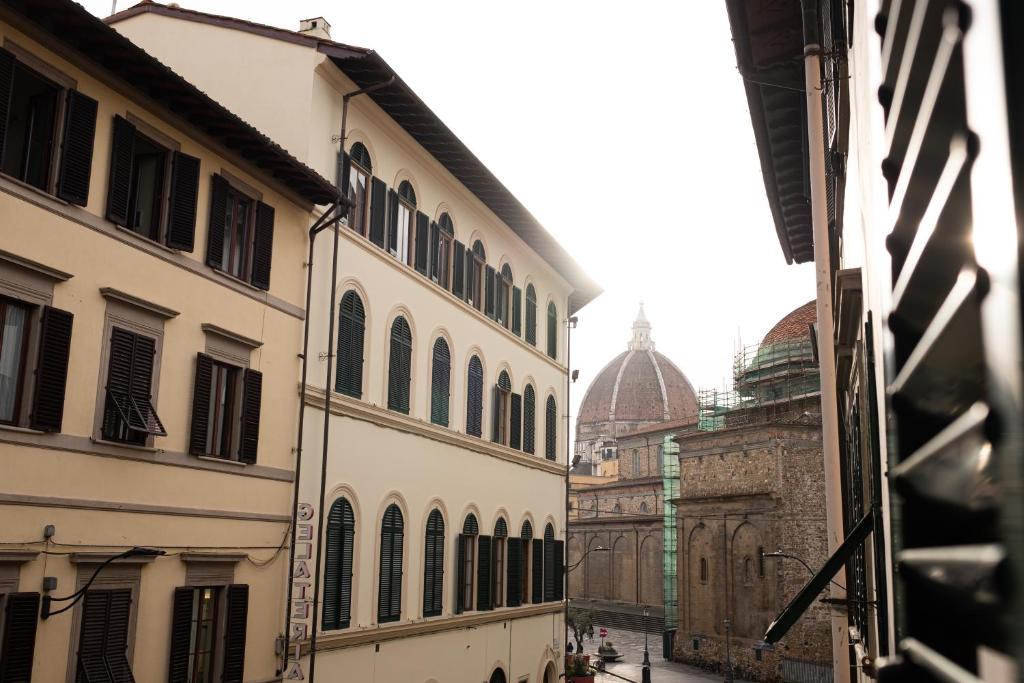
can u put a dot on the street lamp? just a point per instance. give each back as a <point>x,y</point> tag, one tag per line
<point>75,597</point>
<point>598,549</point>
<point>645,674</point>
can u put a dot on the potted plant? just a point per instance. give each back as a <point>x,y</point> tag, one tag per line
<point>607,651</point>
<point>577,669</point>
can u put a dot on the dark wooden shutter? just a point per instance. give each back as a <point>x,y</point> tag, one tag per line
<point>7,62</point>
<point>435,241</point>
<point>549,564</point>
<point>378,210</point>
<point>475,398</point>
<point>201,405</point>
<point>181,632</point>
<point>514,572</point>
<point>440,383</point>
<point>91,637</point>
<point>263,246</point>
<point>459,270</point>
<point>470,271</point>
<point>116,646</point>
<point>460,571</point>
<point>17,649</point>
<point>422,246</point>
<point>529,419</point>
<point>252,398</point>
<point>433,562</point>
<point>76,148</point>
<point>531,315</point>
<point>337,611</point>
<point>351,332</point>
<point>516,421</point>
<point>399,366</point>
<point>184,199</point>
<point>235,626</point>
<point>495,416</point>
<point>517,311</point>
<point>218,218</point>
<point>489,292</point>
<point>559,570</point>
<point>392,221</point>
<point>483,573</point>
<point>119,377</point>
<point>119,182</point>
<point>389,600</point>
<point>51,370</point>
<point>550,429</point>
<point>537,580</point>
<point>552,331</point>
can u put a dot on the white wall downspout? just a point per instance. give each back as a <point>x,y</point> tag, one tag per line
<point>826,332</point>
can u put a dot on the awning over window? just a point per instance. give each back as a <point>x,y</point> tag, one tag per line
<point>799,604</point>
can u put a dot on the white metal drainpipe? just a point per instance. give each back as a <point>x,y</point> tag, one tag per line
<point>826,343</point>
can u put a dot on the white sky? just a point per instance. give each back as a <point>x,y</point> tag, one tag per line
<point>624,128</point>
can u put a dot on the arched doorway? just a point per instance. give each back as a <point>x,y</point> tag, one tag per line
<point>550,675</point>
<point>497,677</point>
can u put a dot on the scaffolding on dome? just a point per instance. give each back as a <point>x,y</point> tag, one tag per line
<point>670,487</point>
<point>766,380</point>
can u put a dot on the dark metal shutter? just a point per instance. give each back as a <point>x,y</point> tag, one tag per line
<point>235,627</point>
<point>392,221</point>
<point>552,331</point>
<point>435,245</point>
<point>76,148</point>
<point>559,570</point>
<point>7,62</point>
<point>433,575</point>
<point>378,210</point>
<point>514,572</point>
<point>529,419</point>
<point>51,370</point>
<point>531,315</point>
<point>338,566</point>
<point>484,599</point>
<point>184,199</point>
<point>400,366</point>
<point>550,429</point>
<point>459,270</point>
<point>537,580</point>
<point>351,331</point>
<point>460,571</point>
<point>517,311</point>
<point>475,398</point>
<point>489,292</point>
<point>389,599</point>
<point>17,649</point>
<point>516,420</point>
<point>218,218</point>
<point>181,632</point>
<point>119,182</point>
<point>440,383</point>
<point>422,245</point>
<point>263,246</point>
<point>252,399</point>
<point>201,405</point>
<point>549,563</point>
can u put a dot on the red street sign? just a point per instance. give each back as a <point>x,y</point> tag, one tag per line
<point>603,632</point>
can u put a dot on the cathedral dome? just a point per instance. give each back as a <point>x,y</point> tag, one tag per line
<point>794,327</point>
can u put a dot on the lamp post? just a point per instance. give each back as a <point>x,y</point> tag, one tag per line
<point>598,549</point>
<point>45,612</point>
<point>645,675</point>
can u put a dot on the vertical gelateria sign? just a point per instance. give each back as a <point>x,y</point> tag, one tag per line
<point>302,592</point>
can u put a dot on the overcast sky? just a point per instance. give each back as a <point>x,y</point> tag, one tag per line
<point>623,127</point>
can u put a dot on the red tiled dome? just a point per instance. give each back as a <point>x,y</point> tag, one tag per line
<point>794,326</point>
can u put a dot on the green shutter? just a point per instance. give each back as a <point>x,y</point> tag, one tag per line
<point>351,332</point>
<point>440,383</point>
<point>483,573</point>
<point>531,315</point>
<point>529,419</point>
<point>400,366</point>
<point>517,311</point>
<point>514,572</point>
<point>550,429</point>
<point>516,421</point>
<point>338,566</point>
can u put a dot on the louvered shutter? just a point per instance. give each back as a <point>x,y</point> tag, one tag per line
<point>338,566</point>
<point>550,429</point>
<point>143,361</point>
<point>181,631</point>
<point>552,331</point>
<point>76,148</point>
<point>474,400</point>
<point>400,366</point>
<point>515,421</point>
<point>517,311</point>
<point>235,627</point>
<point>483,573</point>
<point>500,304</point>
<point>559,570</point>
<point>459,270</point>
<point>514,572</point>
<point>18,646</point>
<point>91,636</point>
<point>435,241</point>
<point>495,415</point>
<point>384,577</point>
<point>351,330</point>
<point>201,387</point>
<point>347,564</point>
<point>422,253</point>
<point>184,199</point>
<point>119,377</point>
<point>549,564</point>
<point>537,580</point>
<point>389,601</point>
<point>119,182</point>
<point>116,646</point>
<point>392,221</point>
<point>263,246</point>
<point>51,370</point>
<point>396,569</point>
<point>440,383</point>
<point>378,210</point>
<point>433,563</point>
<point>470,281</point>
<point>460,572</point>
<point>218,220</point>
<point>7,62</point>
<point>531,315</point>
<point>252,398</point>
<point>529,419</point>
<point>489,292</point>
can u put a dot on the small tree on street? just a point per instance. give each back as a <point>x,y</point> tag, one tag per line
<point>582,624</point>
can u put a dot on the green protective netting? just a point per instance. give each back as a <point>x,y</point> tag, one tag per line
<point>670,485</point>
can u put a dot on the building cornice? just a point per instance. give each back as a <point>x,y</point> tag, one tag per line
<point>358,410</point>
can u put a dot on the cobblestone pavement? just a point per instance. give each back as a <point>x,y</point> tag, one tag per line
<point>631,645</point>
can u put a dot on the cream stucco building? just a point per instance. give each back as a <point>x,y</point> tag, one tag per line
<point>441,520</point>
<point>152,298</point>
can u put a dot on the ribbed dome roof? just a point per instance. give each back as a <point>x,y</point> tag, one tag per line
<point>794,326</point>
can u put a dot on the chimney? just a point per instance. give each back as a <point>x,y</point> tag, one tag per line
<point>316,27</point>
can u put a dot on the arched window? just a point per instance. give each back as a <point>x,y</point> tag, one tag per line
<point>501,407</point>
<point>351,331</point>
<point>498,564</point>
<point>550,579</point>
<point>433,565</point>
<point>466,569</point>
<point>643,508</point>
<point>359,170</point>
<point>531,560</point>
<point>475,397</point>
<point>503,307</point>
<point>475,286</point>
<point>550,429</point>
<point>748,571</point>
<point>636,463</point>
<point>400,366</point>
<point>531,314</point>
<point>552,330</point>
<point>617,508</point>
<point>529,420</point>
<point>403,213</point>
<point>442,234</point>
<point>341,524</point>
<point>440,382</point>
<point>703,570</point>
<point>392,540</point>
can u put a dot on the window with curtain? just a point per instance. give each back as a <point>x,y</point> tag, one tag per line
<point>351,333</point>
<point>475,397</point>
<point>392,537</point>
<point>440,382</point>
<point>360,170</point>
<point>476,280</point>
<point>550,429</point>
<point>399,366</point>
<point>404,226</point>
<point>531,314</point>
<point>338,564</point>
<point>433,565</point>
<point>529,419</point>
<point>466,564</point>
<point>441,255</point>
<point>14,329</point>
<point>552,330</point>
<point>504,296</point>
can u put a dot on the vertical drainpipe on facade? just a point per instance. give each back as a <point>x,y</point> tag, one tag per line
<point>826,334</point>
<point>569,324</point>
